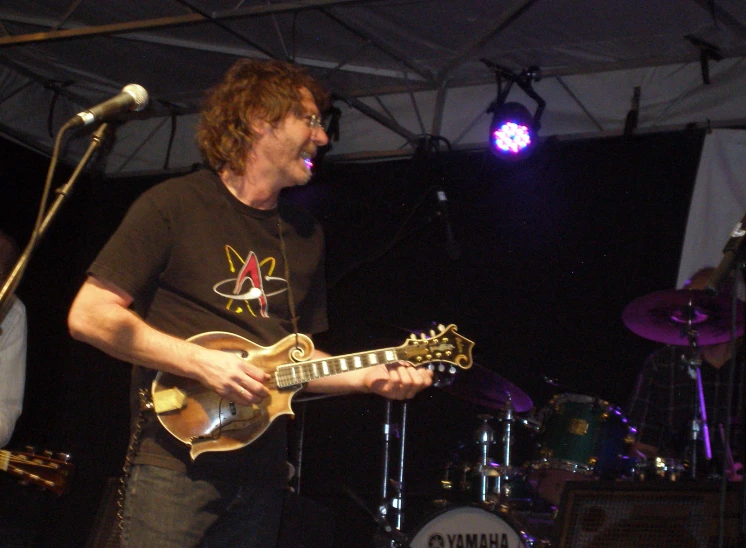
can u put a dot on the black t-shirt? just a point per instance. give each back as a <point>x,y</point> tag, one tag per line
<point>195,259</point>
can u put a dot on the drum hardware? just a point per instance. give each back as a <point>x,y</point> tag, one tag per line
<point>473,526</point>
<point>659,469</point>
<point>490,472</point>
<point>730,467</point>
<point>485,387</point>
<point>699,417</point>
<point>508,420</point>
<point>492,485</point>
<point>693,318</point>
<point>581,438</point>
<point>668,316</point>
<point>392,504</point>
<point>551,381</point>
<point>461,481</point>
<point>485,437</point>
<point>394,537</point>
<point>532,423</point>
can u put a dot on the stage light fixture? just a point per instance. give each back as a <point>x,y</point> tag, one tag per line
<point>513,130</point>
<point>512,134</point>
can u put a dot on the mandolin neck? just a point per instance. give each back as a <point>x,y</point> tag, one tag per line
<point>299,373</point>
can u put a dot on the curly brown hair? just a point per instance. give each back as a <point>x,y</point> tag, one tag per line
<point>251,90</point>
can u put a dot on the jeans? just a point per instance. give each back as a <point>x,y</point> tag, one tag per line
<point>167,509</point>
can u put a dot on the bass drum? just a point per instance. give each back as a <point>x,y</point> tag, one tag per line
<point>470,526</point>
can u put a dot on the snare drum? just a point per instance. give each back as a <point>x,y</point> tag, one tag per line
<point>581,437</point>
<point>469,526</point>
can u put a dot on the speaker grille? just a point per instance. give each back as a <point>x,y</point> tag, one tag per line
<point>638,515</point>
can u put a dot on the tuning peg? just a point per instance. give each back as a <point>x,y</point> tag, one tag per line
<point>64,457</point>
<point>31,449</point>
<point>48,453</point>
<point>441,327</point>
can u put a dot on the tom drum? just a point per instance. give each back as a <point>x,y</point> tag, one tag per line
<point>581,437</point>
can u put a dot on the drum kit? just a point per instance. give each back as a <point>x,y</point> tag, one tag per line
<point>575,437</point>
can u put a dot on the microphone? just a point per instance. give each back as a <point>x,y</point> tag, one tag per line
<point>132,97</point>
<point>452,247</point>
<point>731,252</point>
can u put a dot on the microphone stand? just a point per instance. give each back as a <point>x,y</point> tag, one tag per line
<point>733,261</point>
<point>735,362</point>
<point>12,281</point>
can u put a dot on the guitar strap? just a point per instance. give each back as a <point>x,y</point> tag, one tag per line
<point>146,404</point>
<point>291,301</point>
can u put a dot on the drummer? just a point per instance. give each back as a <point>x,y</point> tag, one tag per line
<point>664,399</point>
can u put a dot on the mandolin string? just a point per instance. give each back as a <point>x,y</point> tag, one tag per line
<point>36,464</point>
<point>49,463</point>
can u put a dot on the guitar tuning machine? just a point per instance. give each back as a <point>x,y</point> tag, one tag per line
<point>442,367</point>
<point>64,457</point>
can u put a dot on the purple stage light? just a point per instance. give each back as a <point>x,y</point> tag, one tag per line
<point>511,137</point>
<point>512,132</point>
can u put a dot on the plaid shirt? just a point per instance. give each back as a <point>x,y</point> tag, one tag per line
<point>663,403</point>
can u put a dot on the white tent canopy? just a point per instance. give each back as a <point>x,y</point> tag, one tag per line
<point>400,70</point>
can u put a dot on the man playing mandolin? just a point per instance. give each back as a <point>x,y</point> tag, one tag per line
<point>220,250</point>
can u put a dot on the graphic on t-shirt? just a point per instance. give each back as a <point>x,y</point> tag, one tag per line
<point>250,284</point>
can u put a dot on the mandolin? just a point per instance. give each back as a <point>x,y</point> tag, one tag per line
<point>205,421</point>
<point>52,474</point>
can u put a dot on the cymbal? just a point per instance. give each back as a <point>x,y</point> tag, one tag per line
<point>665,316</point>
<point>485,387</point>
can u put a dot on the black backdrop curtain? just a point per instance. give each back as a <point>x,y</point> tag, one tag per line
<point>551,250</point>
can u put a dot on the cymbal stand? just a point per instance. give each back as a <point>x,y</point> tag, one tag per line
<point>699,418</point>
<point>508,431</point>
<point>506,470</point>
<point>393,504</point>
<point>485,437</point>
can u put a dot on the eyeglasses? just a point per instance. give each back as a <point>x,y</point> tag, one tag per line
<point>313,121</point>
